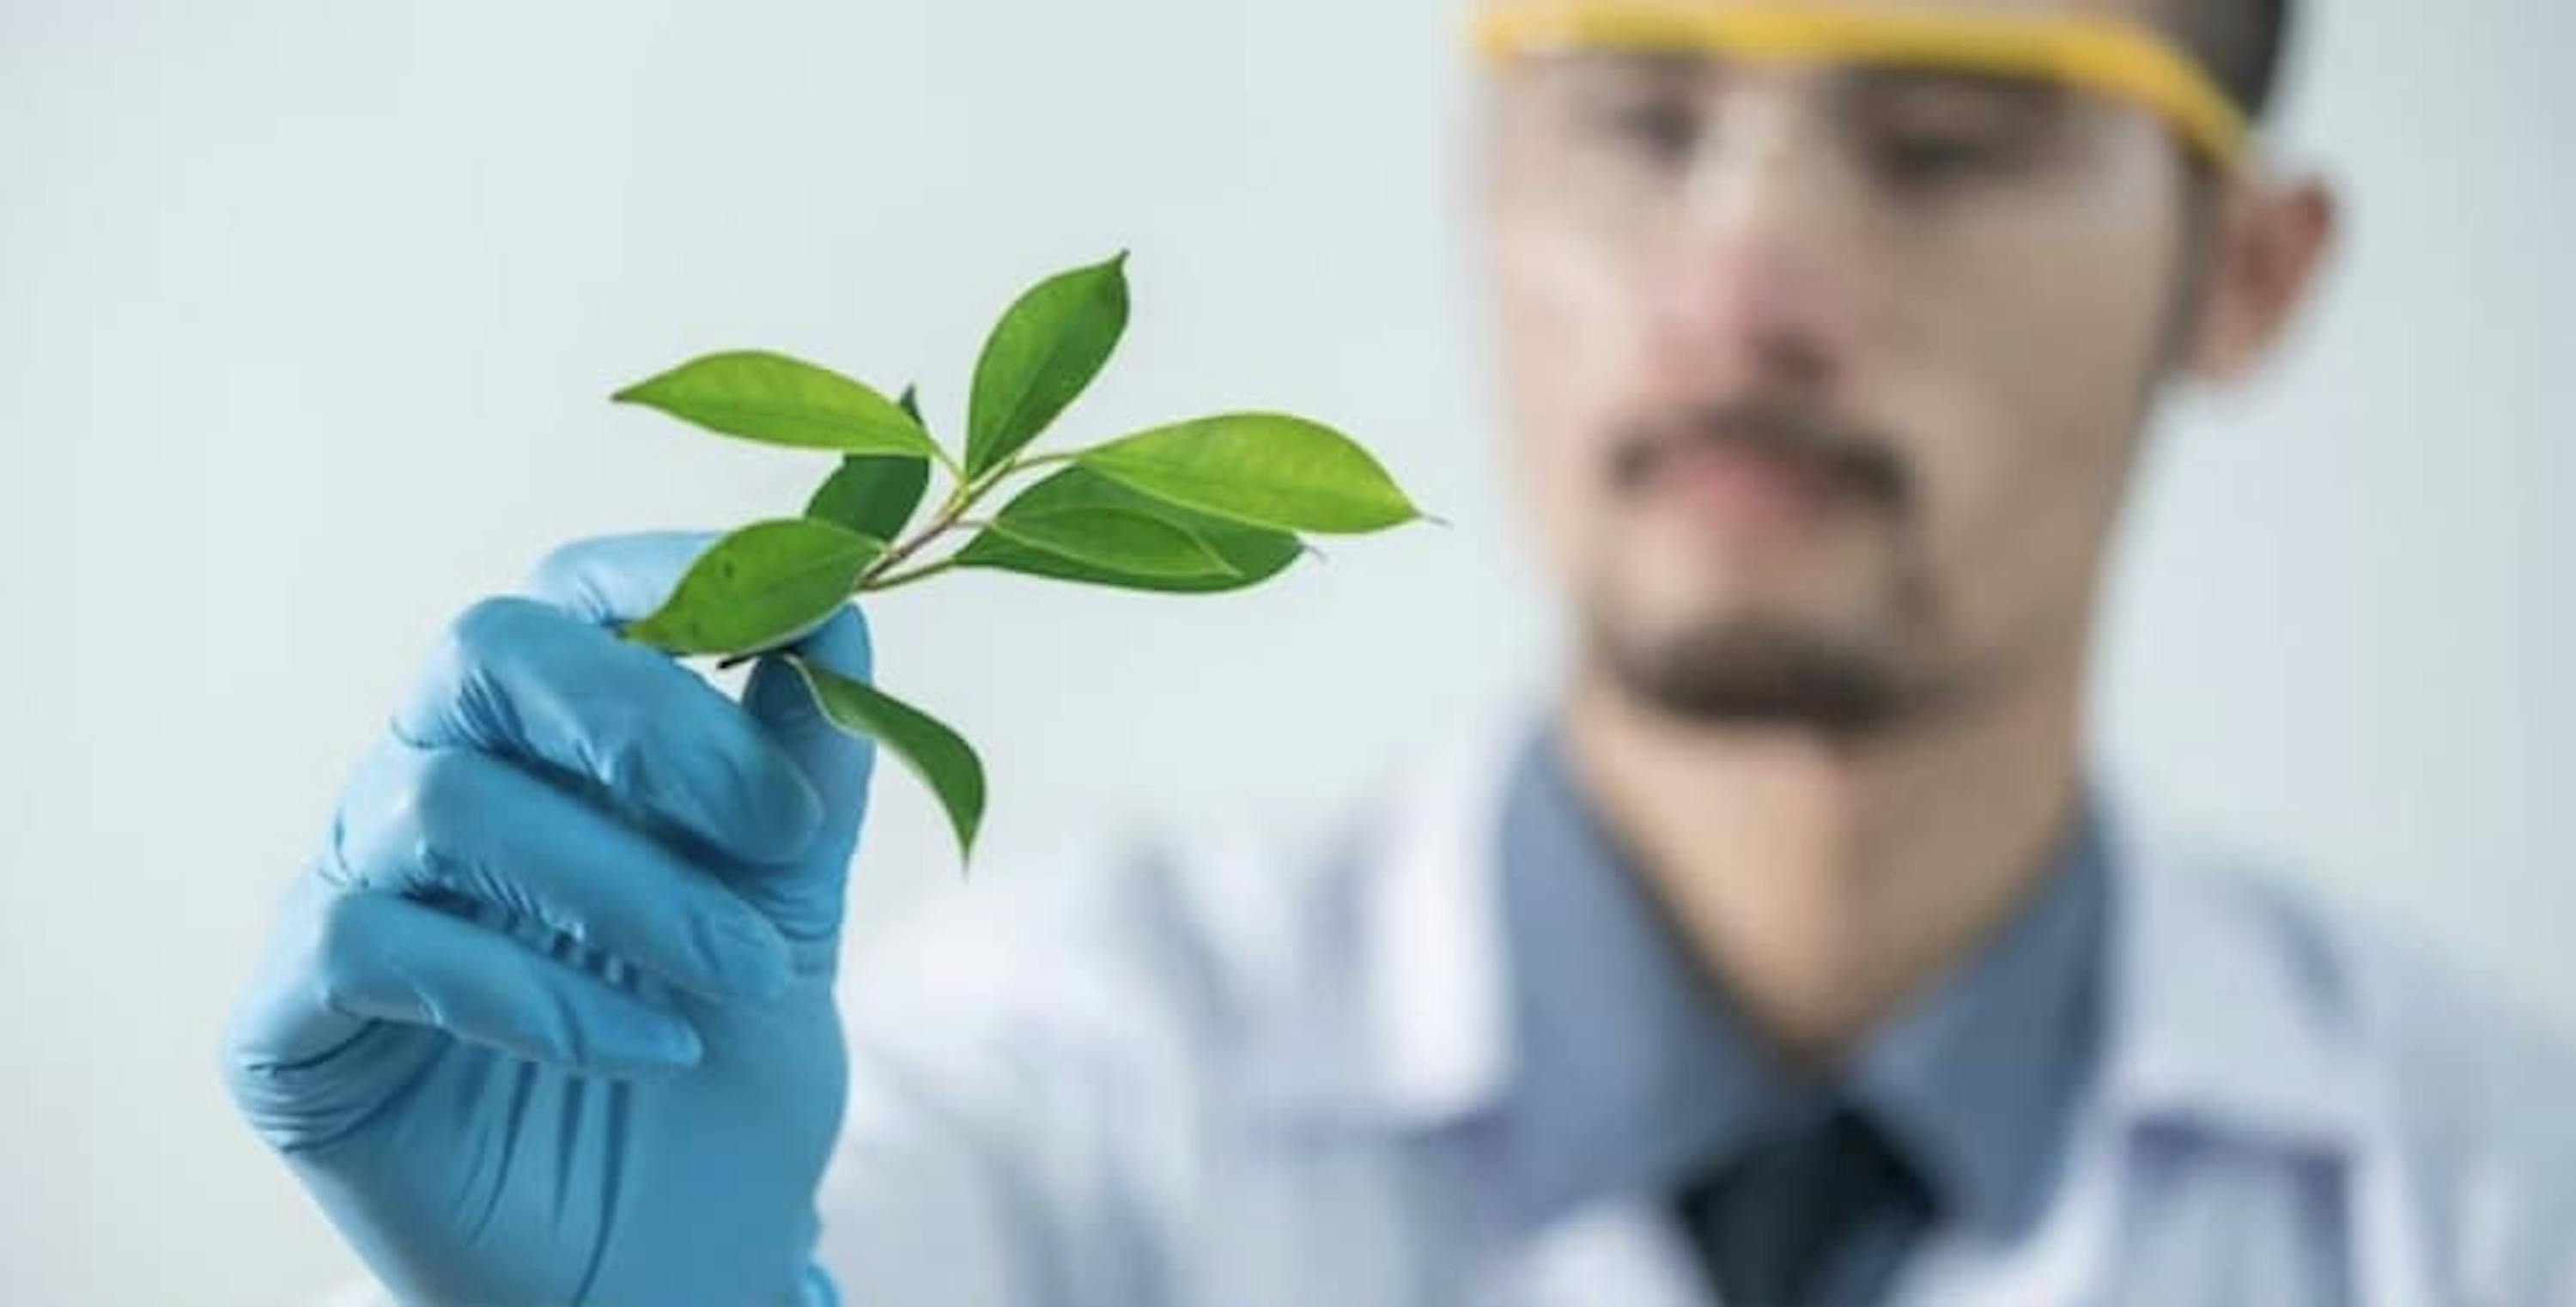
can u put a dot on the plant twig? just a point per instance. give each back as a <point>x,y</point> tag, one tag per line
<point>947,516</point>
<point>889,582</point>
<point>1044,460</point>
<point>963,495</point>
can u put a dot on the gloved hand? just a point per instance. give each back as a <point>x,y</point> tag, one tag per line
<point>549,1018</point>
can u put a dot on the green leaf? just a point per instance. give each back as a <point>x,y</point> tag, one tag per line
<point>1049,345</point>
<point>910,402</point>
<point>1267,469</point>
<point>761,586</point>
<point>1251,554</point>
<point>941,757</point>
<point>782,401</point>
<point>1115,539</point>
<point>872,494</point>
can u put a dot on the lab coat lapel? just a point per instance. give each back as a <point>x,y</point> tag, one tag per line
<point>2220,1024</point>
<point>2215,1023</point>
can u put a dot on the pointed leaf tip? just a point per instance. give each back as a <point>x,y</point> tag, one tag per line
<point>928,747</point>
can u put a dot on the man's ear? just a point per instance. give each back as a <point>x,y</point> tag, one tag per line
<point>2271,240</point>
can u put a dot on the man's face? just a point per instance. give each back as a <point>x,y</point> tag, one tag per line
<point>1826,379</point>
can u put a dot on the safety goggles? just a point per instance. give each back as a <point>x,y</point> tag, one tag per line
<point>2119,58</point>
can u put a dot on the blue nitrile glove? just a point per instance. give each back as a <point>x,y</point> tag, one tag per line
<point>549,1017</point>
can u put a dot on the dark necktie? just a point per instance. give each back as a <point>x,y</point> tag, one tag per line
<point>1821,1214</point>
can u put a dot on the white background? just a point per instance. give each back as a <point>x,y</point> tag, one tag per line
<point>307,311</point>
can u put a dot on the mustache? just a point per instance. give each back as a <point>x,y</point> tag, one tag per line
<point>1856,459</point>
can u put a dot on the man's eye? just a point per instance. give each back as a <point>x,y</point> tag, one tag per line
<point>1661,129</point>
<point>1921,159</point>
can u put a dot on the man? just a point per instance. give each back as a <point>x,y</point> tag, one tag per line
<point>1794,955</point>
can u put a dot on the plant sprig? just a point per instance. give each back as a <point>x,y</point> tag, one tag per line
<point>1207,505</point>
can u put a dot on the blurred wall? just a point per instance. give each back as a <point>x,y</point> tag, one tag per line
<point>307,311</point>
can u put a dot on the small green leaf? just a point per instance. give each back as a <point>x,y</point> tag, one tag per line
<point>1115,539</point>
<point>1251,554</point>
<point>872,494</point>
<point>1049,345</point>
<point>1268,469</point>
<point>941,757</point>
<point>910,402</point>
<point>761,586</point>
<point>782,401</point>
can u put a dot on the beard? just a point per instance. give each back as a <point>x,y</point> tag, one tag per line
<point>1777,669</point>
<point>1758,674</point>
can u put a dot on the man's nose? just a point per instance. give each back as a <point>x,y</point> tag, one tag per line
<point>1755,292</point>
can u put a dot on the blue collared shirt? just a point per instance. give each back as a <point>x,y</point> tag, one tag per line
<point>1637,1067</point>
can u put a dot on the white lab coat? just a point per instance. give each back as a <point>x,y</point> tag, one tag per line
<point>1247,1071</point>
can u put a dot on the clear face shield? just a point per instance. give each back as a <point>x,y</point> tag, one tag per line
<point>1931,110</point>
<point>2093,54</point>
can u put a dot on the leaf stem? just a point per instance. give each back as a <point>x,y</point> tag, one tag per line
<point>963,495</point>
<point>950,511</point>
<point>1044,460</point>
<point>926,570</point>
<point>993,476</point>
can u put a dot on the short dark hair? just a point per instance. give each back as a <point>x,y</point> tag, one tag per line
<point>2244,43</point>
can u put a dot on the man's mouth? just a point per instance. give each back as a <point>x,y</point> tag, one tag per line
<point>1746,485</point>
<point>1759,465</point>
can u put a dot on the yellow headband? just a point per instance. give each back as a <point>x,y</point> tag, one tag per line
<point>2102,53</point>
